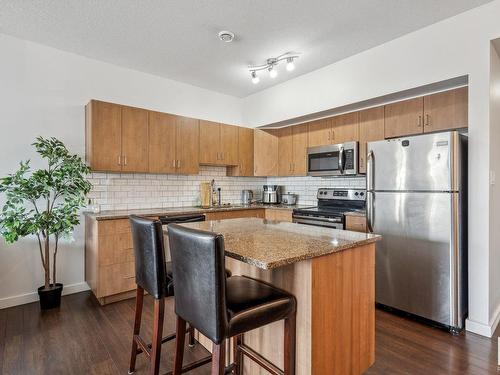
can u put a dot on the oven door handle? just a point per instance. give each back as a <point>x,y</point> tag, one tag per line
<point>341,160</point>
<point>324,219</point>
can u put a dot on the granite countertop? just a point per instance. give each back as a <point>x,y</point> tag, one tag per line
<point>270,244</point>
<point>123,214</point>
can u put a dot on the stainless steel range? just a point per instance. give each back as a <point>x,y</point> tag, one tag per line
<point>333,203</point>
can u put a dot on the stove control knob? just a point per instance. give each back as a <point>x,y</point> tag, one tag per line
<point>356,193</point>
<point>361,193</point>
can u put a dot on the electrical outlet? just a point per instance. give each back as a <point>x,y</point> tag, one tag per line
<point>492,177</point>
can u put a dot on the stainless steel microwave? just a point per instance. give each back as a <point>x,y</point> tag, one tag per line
<point>333,160</point>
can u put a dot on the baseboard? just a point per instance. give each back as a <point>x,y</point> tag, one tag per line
<point>33,297</point>
<point>484,329</point>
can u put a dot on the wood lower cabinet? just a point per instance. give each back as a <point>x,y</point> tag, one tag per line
<point>279,214</point>
<point>446,110</point>
<point>356,223</point>
<point>265,152</point>
<point>109,259</point>
<point>371,128</point>
<point>236,214</point>
<point>245,154</point>
<point>109,254</point>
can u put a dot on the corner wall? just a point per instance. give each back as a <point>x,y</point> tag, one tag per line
<point>455,47</point>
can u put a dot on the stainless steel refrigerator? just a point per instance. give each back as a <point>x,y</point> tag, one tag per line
<point>417,200</point>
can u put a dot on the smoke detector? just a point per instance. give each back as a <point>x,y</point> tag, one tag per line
<point>226,36</point>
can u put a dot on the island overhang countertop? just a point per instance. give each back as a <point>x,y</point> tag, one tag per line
<point>270,244</point>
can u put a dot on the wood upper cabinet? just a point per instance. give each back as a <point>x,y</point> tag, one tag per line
<point>218,143</point>
<point>285,151</point>
<point>265,152</point>
<point>116,137</point>
<point>229,144</point>
<point>162,134</point>
<point>446,110</point>
<point>404,118</point>
<point>300,141</point>
<point>371,128</point>
<point>344,128</point>
<point>209,142</point>
<point>187,145</point>
<point>103,136</point>
<point>320,133</point>
<point>135,140</point>
<point>245,153</point>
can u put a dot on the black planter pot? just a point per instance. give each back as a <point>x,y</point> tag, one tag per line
<point>50,298</point>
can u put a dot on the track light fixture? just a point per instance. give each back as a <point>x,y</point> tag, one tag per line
<point>271,65</point>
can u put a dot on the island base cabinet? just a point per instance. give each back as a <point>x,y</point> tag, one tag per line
<point>335,313</point>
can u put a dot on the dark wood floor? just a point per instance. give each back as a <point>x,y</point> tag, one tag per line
<point>84,338</point>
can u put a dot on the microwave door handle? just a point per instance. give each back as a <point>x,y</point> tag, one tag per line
<point>341,160</point>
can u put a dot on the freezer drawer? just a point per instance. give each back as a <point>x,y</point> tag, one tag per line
<point>414,258</point>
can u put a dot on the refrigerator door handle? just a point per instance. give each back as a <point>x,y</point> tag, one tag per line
<point>369,171</point>
<point>369,211</point>
<point>341,160</point>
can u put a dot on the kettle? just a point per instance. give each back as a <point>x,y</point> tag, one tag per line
<point>246,197</point>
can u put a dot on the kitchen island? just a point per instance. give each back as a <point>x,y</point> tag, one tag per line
<point>332,274</point>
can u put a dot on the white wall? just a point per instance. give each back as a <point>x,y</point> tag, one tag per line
<point>494,187</point>
<point>455,47</point>
<point>43,92</point>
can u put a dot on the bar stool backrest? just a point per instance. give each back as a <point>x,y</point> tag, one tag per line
<point>200,279</point>
<point>150,268</point>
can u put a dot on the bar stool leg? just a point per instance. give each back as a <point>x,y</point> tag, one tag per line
<point>139,302</point>
<point>159,310</point>
<point>238,356</point>
<point>180,333</point>
<point>218,358</point>
<point>191,341</point>
<point>290,345</point>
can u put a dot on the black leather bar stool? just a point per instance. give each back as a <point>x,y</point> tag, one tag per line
<point>221,307</point>
<point>153,275</point>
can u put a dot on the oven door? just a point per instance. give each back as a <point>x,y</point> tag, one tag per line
<point>335,223</point>
<point>333,160</point>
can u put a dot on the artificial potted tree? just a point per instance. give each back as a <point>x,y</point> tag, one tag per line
<point>45,203</point>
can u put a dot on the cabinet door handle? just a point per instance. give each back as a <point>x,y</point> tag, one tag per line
<point>419,124</point>
<point>125,160</point>
<point>119,160</point>
<point>329,135</point>
<point>333,135</point>
<point>129,277</point>
<point>178,163</point>
<point>427,120</point>
<point>173,163</point>
<point>360,161</point>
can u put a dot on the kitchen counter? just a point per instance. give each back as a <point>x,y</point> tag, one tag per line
<point>270,244</point>
<point>123,214</point>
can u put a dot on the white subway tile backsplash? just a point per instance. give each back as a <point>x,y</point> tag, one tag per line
<point>117,191</point>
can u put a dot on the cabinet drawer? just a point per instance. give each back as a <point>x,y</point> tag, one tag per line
<point>235,214</point>
<point>279,215</point>
<point>116,278</point>
<point>115,248</point>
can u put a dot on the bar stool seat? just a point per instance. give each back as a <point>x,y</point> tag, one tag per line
<point>252,304</point>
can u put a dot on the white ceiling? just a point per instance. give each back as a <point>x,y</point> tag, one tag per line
<point>178,39</point>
